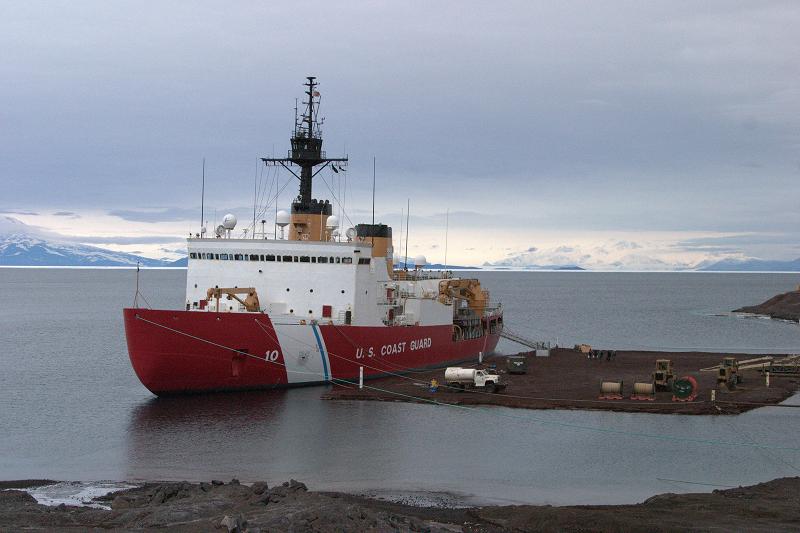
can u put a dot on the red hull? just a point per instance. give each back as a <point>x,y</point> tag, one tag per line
<point>186,351</point>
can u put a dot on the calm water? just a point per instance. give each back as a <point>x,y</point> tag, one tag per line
<point>72,408</point>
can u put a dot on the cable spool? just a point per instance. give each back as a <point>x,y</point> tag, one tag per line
<point>643,391</point>
<point>611,390</point>
<point>684,389</point>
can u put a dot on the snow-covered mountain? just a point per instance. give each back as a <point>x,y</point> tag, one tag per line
<point>751,265</point>
<point>24,245</point>
<point>28,250</point>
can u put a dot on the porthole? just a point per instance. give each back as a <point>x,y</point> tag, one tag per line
<point>291,311</point>
<point>310,290</point>
<point>310,312</point>
<point>342,291</point>
<point>287,289</point>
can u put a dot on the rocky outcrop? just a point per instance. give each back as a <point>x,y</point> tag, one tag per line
<point>235,508</point>
<point>784,306</point>
<point>215,506</point>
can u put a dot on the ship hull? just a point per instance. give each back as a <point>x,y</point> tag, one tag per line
<point>178,352</point>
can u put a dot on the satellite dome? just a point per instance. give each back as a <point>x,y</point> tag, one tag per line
<point>229,221</point>
<point>220,230</point>
<point>333,222</point>
<point>282,218</point>
<point>420,261</point>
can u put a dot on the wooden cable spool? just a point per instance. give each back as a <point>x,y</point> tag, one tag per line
<point>643,391</point>
<point>611,390</point>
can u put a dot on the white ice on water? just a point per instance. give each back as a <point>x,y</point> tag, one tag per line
<point>76,493</point>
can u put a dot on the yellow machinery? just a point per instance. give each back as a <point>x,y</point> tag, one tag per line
<point>250,302</point>
<point>464,289</point>
<point>728,373</point>
<point>733,364</point>
<point>663,375</point>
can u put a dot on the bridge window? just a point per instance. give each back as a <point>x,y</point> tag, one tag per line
<point>313,259</point>
<point>338,260</point>
<point>347,260</point>
<point>192,255</point>
<point>254,257</point>
<point>287,258</point>
<point>322,259</point>
<point>223,257</point>
<point>363,260</point>
<point>305,259</point>
<point>269,257</point>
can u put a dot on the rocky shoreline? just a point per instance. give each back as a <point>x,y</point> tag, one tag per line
<point>784,306</point>
<point>234,507</point>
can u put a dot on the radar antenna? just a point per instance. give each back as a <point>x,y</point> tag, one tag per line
<point>306,152</point>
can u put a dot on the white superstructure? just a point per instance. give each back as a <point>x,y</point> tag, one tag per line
<point>313,280</point>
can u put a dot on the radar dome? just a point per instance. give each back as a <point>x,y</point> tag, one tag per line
<point>229,221</point>
<point>282,218</point>
<point>420,261</point>
<point>333,221</point>
<point>351,233</point>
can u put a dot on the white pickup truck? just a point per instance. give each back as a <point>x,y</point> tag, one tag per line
<point>461,378</point>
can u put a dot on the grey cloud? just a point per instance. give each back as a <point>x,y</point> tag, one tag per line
<point>92,239</point>
<point>181,251</point>
<point>165,214</point>
<point>665,135</point>
<point>69,214</point>
<point>18,212</point>
<point>741,240</point>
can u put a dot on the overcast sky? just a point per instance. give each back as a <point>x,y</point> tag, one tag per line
<point>629,133</point>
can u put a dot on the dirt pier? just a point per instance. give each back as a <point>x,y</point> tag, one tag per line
<point>568,379</point>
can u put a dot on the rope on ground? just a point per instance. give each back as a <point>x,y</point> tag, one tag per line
<point>695,483</point>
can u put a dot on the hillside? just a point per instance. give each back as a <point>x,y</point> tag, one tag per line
<point>784,306</point>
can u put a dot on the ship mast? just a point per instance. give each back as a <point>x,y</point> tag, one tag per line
<point>308,214</point>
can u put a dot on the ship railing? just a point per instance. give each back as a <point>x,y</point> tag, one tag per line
<point>492,309</point>
<point>414,275</point>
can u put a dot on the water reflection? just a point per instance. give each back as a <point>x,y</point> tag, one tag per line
<point>522,456</point>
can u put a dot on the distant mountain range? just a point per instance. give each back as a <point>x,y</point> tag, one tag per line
<point>435,266</point>
<point>28,250</point>
<point>751,265</point>
<point>533,267</point>
<point>23,245</point>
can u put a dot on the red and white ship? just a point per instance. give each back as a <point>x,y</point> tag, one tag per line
<point>314,307</point>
